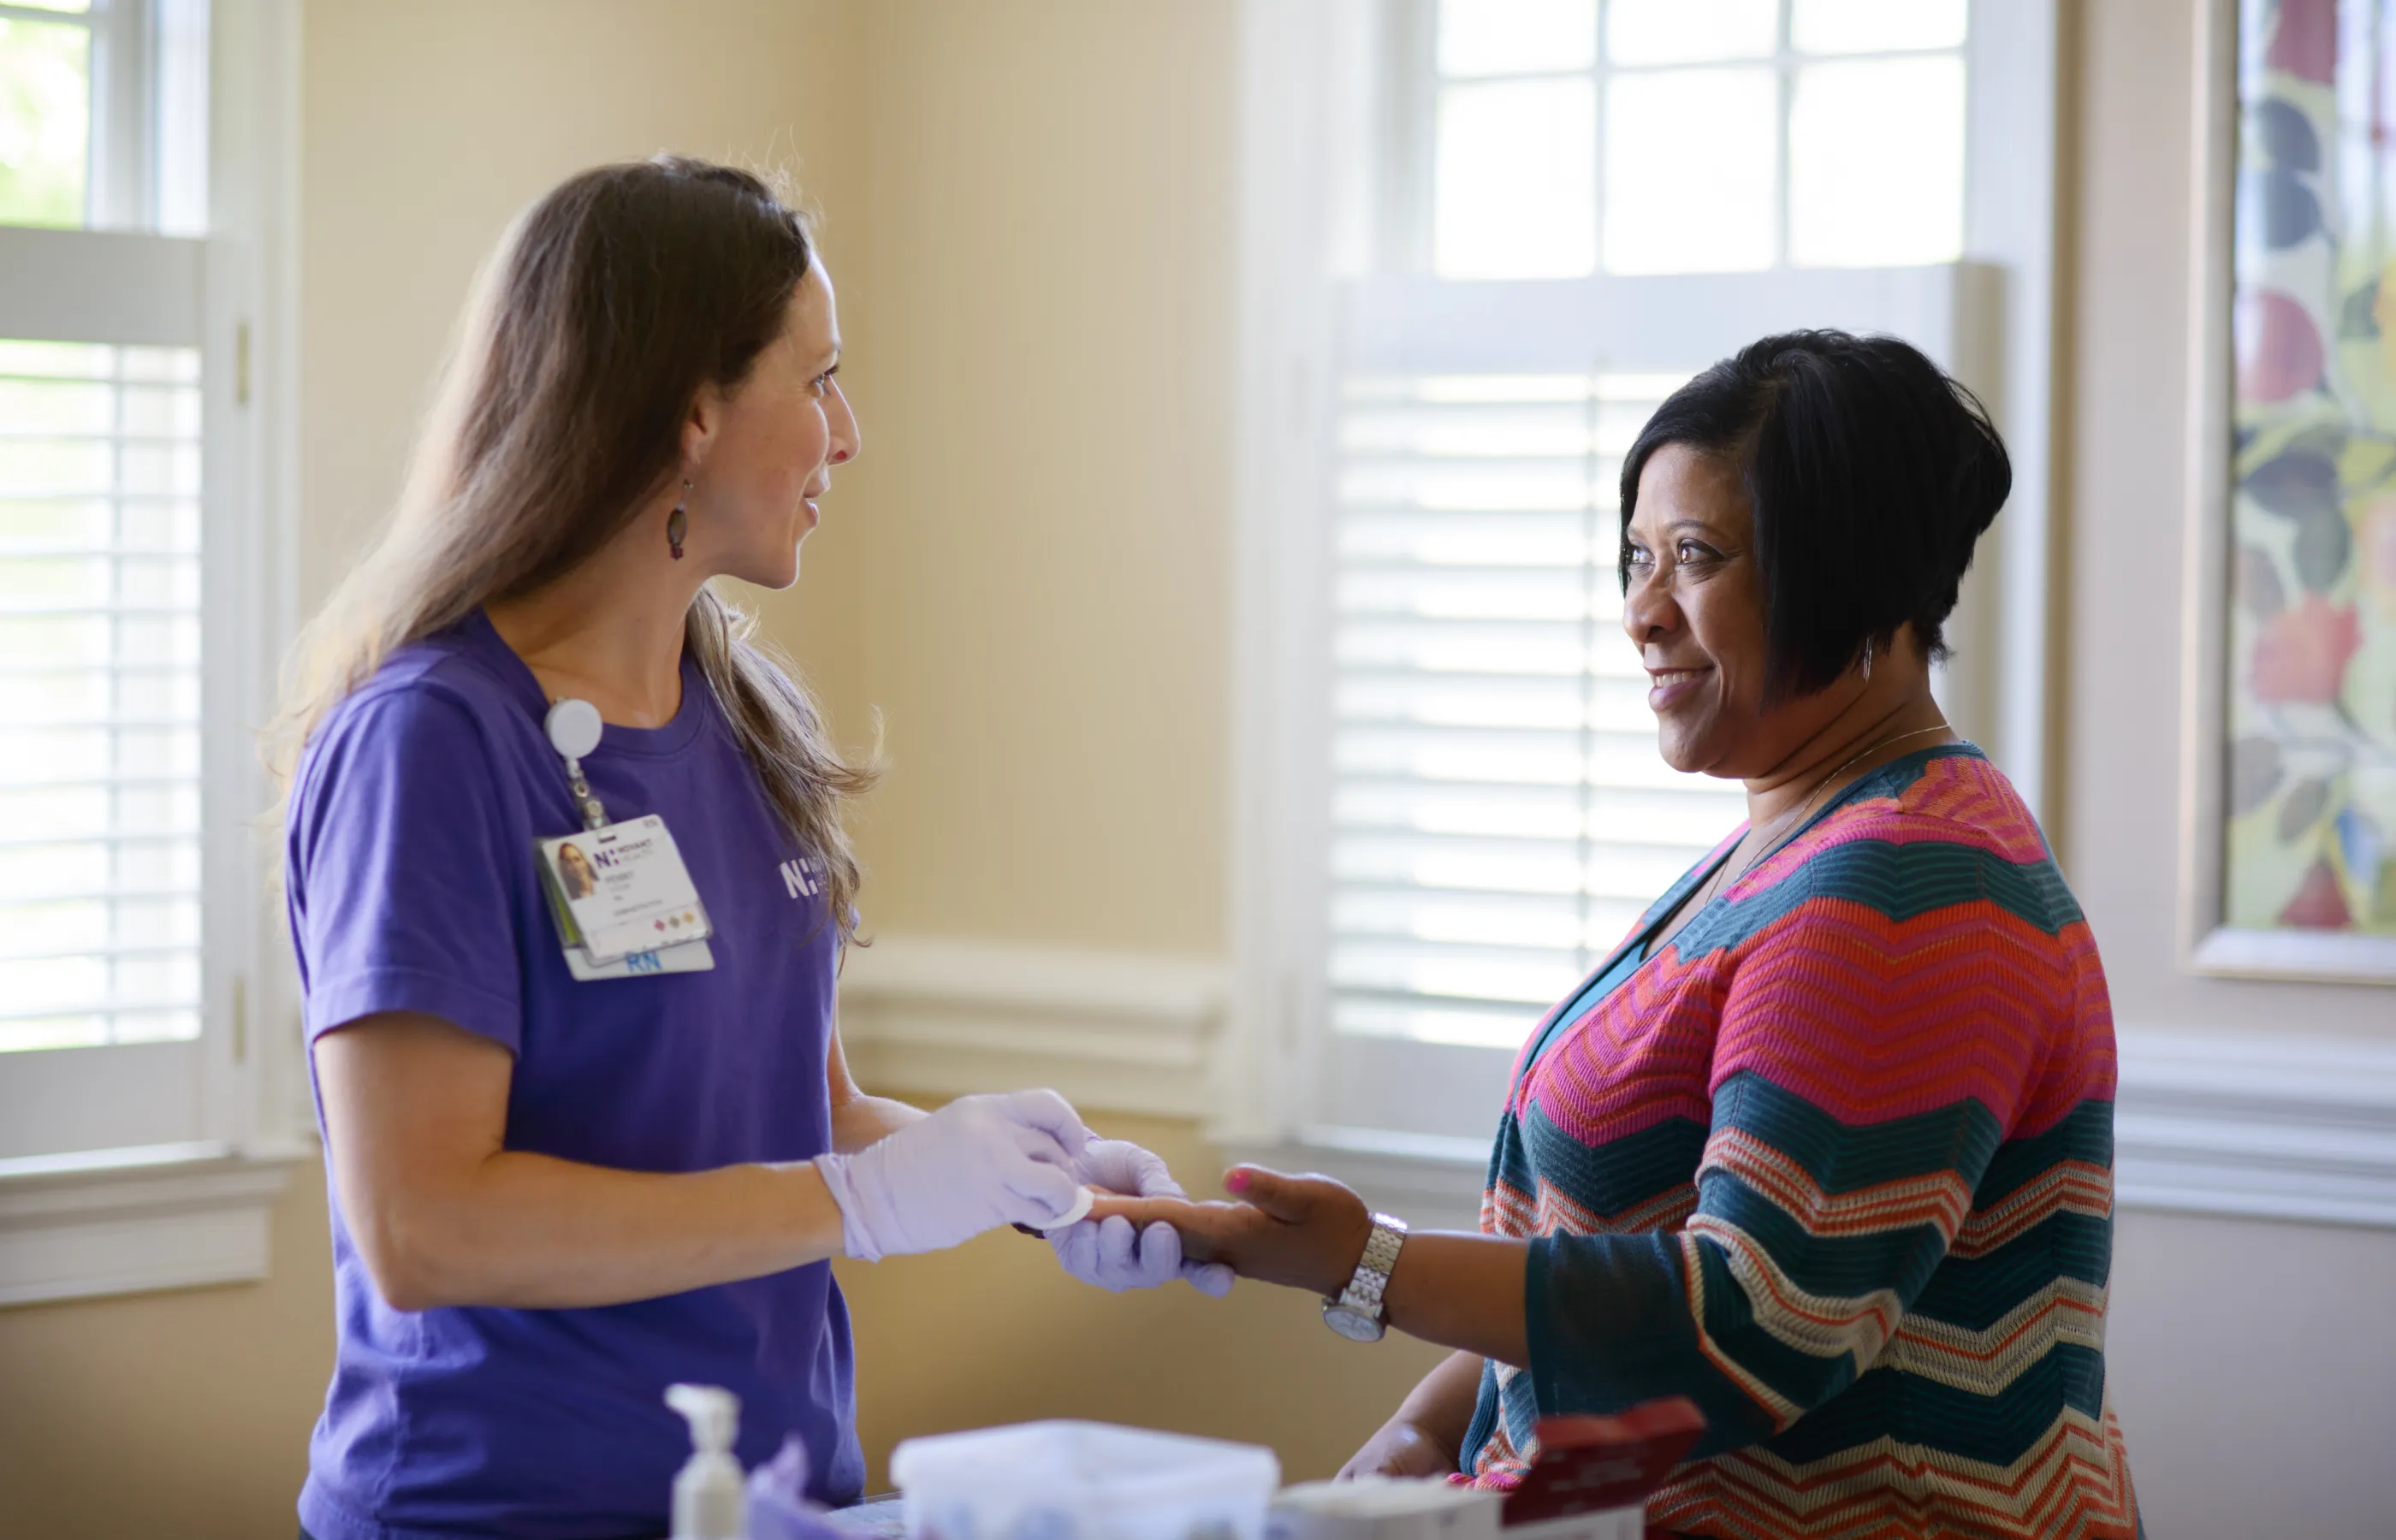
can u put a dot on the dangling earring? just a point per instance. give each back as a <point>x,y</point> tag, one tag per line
<point>1866,640</point>
<point>678,521</point>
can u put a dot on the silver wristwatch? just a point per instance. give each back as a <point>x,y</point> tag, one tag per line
<point>1356,1312</point>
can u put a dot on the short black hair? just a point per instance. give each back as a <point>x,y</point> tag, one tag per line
<point>1872,474</point>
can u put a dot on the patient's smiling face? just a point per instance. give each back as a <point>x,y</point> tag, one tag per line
<point>1694,607</point>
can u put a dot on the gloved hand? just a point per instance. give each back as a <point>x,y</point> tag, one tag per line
<point>977,1164</point>
<point>1110,1252</point>
<point>779,1508</point>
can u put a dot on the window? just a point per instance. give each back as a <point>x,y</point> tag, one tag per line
<point>1695,135</point>
<point>103,114</point>
<point>1561,210</point>
<point>130,587</point>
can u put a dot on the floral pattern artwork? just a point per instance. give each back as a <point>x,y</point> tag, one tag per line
<point>2311,697</point>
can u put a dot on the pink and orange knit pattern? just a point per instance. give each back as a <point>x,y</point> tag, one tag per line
<point>1836,1164</point>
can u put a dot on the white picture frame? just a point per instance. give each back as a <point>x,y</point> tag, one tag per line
<point>2215,942</point>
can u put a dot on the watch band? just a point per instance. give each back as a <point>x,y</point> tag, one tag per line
<point>1371,1278</point>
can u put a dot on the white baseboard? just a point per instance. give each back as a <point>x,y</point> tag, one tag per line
<point>123,1221</point>
<point>2251,1124</point>
<point>1125,1032</point>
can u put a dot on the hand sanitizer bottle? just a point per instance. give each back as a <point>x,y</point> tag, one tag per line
<point>710,1501</point>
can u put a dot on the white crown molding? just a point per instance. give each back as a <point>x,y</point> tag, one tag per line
<point>1126,1032</point>
<point>150,1216</point>
<point>2248,1125</point>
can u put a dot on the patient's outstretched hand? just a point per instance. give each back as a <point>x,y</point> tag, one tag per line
<point>1306,1232</point>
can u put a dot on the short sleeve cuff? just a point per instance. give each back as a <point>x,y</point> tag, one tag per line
<point>335,1003</point>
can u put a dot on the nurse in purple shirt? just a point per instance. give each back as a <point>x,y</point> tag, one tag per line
<point>555,1195</point>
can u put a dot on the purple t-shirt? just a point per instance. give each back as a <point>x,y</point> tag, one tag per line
<point>412,888</point>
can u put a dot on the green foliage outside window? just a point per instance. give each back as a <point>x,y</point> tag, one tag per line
<point>45,123</point>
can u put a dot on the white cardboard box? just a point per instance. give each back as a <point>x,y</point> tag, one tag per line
<point>1384,1508</point>
<point>1622,1523</point>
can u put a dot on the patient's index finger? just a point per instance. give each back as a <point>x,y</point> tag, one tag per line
<point>1180,1213</point>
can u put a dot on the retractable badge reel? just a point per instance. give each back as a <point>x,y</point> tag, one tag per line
<point>574,730</point>
<point>624,902</point>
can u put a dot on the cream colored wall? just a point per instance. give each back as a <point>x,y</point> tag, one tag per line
<point>183,1414</point>
<point>426,127</point>
<point>2249,1362</point>
<point>2250,1365</point>
<point>1042,331</point>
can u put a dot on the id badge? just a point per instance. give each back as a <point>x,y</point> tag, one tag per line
<point>620,891</point>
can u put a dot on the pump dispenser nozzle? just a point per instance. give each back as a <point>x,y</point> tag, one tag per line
<point>708,1501</point>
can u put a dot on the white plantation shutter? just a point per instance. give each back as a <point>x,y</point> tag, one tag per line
<point>99,694</point>
<point>1496,814</point>
<point>1499,814</point>
<point>128,780</point>
<point>122,821</point>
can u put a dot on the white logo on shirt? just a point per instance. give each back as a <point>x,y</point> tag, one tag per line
<point>798,880</point>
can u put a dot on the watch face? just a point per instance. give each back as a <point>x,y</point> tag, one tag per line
<point>1355,1325</point>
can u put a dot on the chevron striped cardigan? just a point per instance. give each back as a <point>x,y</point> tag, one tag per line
<point>1836,1164</point>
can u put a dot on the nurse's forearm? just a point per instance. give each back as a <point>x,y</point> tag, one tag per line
<point>858,1120</point>
<point>533,1232</point>
<point>1462,1291</point>
<point>869,1120</point>
<point>415,1113</point>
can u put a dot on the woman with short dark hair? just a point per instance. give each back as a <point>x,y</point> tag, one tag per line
<point>1826,1146</point>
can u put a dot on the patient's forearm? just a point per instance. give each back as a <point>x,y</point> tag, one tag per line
<point>1442,1405</point>
<point>1462,1291</point>
<point>1456,1289</point>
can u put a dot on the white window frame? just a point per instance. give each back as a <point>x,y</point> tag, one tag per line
<point>1310,72</point>
<point>153,1165</point>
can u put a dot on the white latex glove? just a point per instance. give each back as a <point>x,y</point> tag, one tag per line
<point>1108,1253</point>
<point>975,1164</point>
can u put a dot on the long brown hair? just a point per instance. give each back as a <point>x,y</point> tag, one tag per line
<point>609,303</point>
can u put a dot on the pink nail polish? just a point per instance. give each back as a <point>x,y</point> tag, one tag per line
<point>1236,1182</point>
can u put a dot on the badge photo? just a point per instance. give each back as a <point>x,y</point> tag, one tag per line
<point>576,877</point>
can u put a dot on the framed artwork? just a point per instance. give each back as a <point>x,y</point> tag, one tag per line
<point>2290,848</point>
